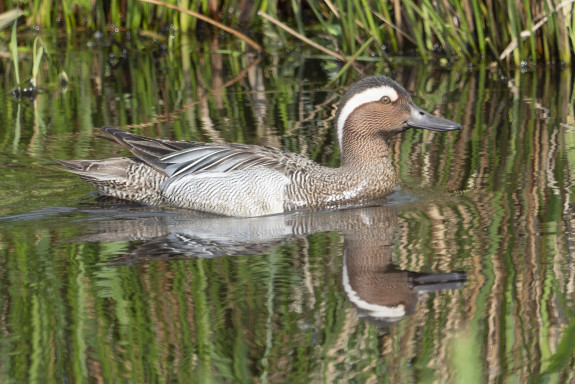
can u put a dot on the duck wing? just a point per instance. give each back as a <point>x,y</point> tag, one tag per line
<point>180,158</point>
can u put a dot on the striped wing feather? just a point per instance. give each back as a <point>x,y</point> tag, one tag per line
<point>179,158</point>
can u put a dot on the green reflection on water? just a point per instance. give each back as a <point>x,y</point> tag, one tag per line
<point>494,200</point>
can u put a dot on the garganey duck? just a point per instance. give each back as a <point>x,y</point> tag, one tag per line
<point>250,180</point>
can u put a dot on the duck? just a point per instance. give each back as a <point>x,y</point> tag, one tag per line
<point>245,180</point>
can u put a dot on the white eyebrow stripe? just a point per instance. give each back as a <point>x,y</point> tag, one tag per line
<point>367,96</point>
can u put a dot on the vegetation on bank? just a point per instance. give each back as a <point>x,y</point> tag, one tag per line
<point>508,32</point>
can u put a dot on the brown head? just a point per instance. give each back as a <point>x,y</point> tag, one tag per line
<point>374,109</point>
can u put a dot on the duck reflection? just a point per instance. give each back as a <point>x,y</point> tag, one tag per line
<point>381,292</point>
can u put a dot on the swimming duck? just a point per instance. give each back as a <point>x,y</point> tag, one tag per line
<point>250,180</point>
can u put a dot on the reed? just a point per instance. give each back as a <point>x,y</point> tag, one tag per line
<point>511,32</point>
<point>14,54</point>
<point>29,87</point>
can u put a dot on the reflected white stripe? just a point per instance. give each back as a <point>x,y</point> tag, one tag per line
<point>375,310</point>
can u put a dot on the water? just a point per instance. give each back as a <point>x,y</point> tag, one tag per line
<point>472,259</point>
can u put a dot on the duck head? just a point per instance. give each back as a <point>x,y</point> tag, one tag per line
<point>374,109</point>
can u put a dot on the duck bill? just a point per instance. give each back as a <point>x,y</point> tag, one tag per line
<point>425,120</point>
<point>433,282</point>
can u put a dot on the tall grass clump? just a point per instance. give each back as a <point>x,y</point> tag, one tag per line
<point>508,32</point>
<point>511,32</point>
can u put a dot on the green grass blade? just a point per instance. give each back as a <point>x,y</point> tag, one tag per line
<point>479,27</point>
<point>37,58</point>
<point>14,53</point>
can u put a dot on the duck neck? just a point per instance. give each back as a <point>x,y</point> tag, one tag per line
<point>360,151</point>
<point>368,166</point>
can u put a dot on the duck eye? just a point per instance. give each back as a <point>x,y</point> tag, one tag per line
<point>385,100</point>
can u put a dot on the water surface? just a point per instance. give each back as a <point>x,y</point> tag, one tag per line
<point>472,259</point>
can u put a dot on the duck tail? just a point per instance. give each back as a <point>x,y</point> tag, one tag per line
<point>120,177</point>
<point>93,170</point>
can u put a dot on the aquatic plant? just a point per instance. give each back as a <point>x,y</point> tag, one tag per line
<point>14,54</point>
<point>30,88</point>
<point>503,32</point>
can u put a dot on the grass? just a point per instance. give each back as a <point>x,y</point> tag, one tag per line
<point>30,88</point>
<point>14,54</point>
<point>506,32</point>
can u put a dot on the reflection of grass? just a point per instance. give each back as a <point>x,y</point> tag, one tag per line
<point>503,30</point>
